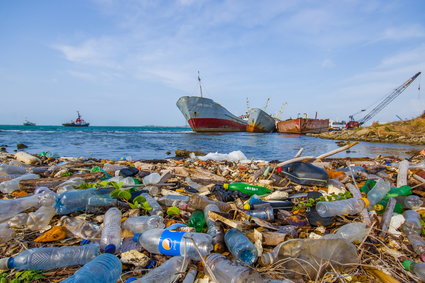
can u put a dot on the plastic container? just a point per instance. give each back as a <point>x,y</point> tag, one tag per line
<point>156,208</point>
<point>226,271</point>
<point>200,202</point>
<point>255,201</point>
<point>352,232</point>
<point>191,275</point>
<point>412,223</point>
<point>152,178</point>
<point>412,202</point>
<point>7,169</point>
<point>174,200</point>
<point>305,174</point>
<point>166,242</point>
<point>403,167</point>
<point>128,171</point>
<point>247,189</point>
<point>27,158</point>
<point>35,221</point>
<point>378,192</point>
<point>308,256</point>
<point>240,246</point>
<point>418,244</point>
<point>108,167</point>
<point>400,191</point>
<point>141,224</point>
<point>74,182</point>
<point>110,241</point>
<point>167,272</point>
<point>197,220</point>
<point>105,268</point>
<point>262,211</point>
<point>341,207</point>
<point>81,228</point>
<point>78,200</point>
<point>7,187</point>
<point>53,257</point>
<point>215,229</point>
<point>6,234</point>
<point>417,268</point>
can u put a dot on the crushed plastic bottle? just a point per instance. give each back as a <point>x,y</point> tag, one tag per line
<point>152,178</point>
<point>417,268</point>
<point>105,268</point>
<point>160,241</point>
<point>110,241</point>
<point>34,221</point>
<point>141,224</point>
<point>418,244</point>
<point>167,272</point>
<point>378,192</point>
<point>412,223</point>
<point>352,232</point>
<point>190,275</point>
<point>412,202</point>
<point>81,228</point>
<point>215,228</point>
<point>7,169</point>
<point>200,202</point>
<point>240,246</point>
<point>6,234</point>
<point>53,257</point>
<point>226,271</point>
<point>341,207</point>
<point>78,200</point>
<point>197,220</point>
<point>156,208</point>
<point>10,186</point>
<point>175,200</point>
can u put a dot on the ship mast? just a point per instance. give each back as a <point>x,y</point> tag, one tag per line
<point>200,86</point>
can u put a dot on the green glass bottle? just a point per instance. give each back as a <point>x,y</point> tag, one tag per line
<point>247,189</point>
<point>197,220</point>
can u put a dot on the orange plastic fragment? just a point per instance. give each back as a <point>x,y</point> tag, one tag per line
<point>19,194</point>
<point>170,222</point>
<point>335,174</point>
<point>55,234</point>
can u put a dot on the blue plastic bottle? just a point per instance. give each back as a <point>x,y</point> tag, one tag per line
<point>78,200</point>
<point>105,268</point>
<point>240,246</point>
<point>53,257</point>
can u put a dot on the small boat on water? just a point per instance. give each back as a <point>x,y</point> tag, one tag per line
<point>303,126</point>
<point>77,122</point>
<point>28,123</point>
<point>260,122</point>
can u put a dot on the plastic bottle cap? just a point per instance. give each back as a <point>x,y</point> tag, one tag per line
<point>366,201</point>
<point>378,207</point>
<point>136,237</point>
<point>110,249</point>
<point>10,262</point>
<point>226,186</point>
<point>246,206</point>
<point>4,263</point>
<point>407,264</point>
<point>279,169</point>
<point>131,279</point>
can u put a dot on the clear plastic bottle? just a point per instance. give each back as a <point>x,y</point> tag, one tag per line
<point>240,246</point>
<point>7,187</point>
<point>53,257</point>
<point>403,168</point>
<point>110,241</point>
<point>341,207</point>
<point>417,268</point>
<point>142,223</point>
<point>160,241</point>
<point>418,244</point>
<point>73,201</point>
<point>6,234</point>
<point>378,192</point>
<point>215,229</point>
<point>200,202</point>
<point>190,275</point>
<point>262,211</point>
<point>81,228</point>
<point>74,182</point>
<point>167,272</point>
<point>35,221</point>
<point>7,169</point>
<point>152,178</point>
<point>108,167</point>
<point>156,208</point>
<point>174,200</point>
<point>412,202</point>
<point>352,232</point>
<point>412,223</point>
<point>105,268</point>
<point>226,271</point>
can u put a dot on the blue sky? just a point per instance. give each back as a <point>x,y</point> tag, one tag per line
<point>127,62</point>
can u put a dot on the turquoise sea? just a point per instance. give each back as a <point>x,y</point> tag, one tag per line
<point>151,142</point>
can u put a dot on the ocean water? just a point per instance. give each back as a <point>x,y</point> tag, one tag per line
<point>154,143</point>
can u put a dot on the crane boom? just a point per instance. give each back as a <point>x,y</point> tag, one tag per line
<point>387,100</point>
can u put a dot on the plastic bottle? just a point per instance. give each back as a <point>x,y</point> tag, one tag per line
<point>240,246</point>
<point>81,228</point>
<point>418,244</point>
<point>341,207</point>
<point>110,241</point>
<point>255,201</point>
<point>262,211</point>
<point>226,271</point>
<point>108,167</point>
<point>74,182</point>
<point>197,220</point>
<point>7,187</point>
<point>73,201</point>
<point>412,223</point>
<point>417,268</point>
<point>215,229</point>
<point>382,205</point>
<point>174,200</point>
<point>160,241</point>
<point>6,234</point>
<point>190,275</point>
<point>156,208</point>
<point>412,202</point>
<point>200,202</point>
<point>247,189</point>
<point>400,191</point>
<point>378,192</point>
<point>308,256</point>
<point>368,186</point>
<point>167,272</point>
<point>27,158</point>
<point>7,169</point>
<point>105,268</point>
<point>403,167</point>
<point>152,178</point>
<point>142,223</point>
<point>53,257</point>
<point>352,232</point>
<point>35,221</point>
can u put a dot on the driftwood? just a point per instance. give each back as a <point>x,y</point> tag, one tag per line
<point>53,182</point>
<point>336,151</point>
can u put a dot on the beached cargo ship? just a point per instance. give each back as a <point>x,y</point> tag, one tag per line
<point>205,115</point>
<point>260,122</point>
<point>303,126</point>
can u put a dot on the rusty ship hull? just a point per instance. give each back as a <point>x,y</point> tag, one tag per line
<point>303,126</point>
<point>205,115</point>
<point>260,122</point>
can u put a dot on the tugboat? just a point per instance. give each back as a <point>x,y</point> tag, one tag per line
<point>77,123</point>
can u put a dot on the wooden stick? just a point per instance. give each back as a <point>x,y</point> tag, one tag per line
<point>336,150</point>
<point>294,160</point>
<point>403,168</point>
<point>299,153</point>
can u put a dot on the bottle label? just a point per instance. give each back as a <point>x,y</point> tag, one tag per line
<point>169,243</point>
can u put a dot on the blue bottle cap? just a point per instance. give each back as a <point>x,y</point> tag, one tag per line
<point>10,263</point>
<point>151,264</point>
<point>85,242</point>
<point>136,237</point>
<point>110,249</point>
<point>131,279</point>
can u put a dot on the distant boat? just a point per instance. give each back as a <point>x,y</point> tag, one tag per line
<point>303,126</point>
<point>260,122</point>
<point>28,123</point>
<point>77,122</point>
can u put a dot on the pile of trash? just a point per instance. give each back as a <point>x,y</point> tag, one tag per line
<point>213,218</point>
